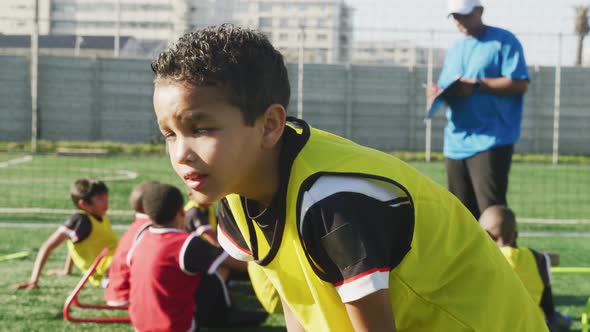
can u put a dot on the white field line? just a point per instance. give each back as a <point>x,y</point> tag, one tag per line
<point>120,175</point>
<point>60,211</point>
<point>16,161</point>
<point>43,225</point>
<point>553,234</point>
<point>554,221</point>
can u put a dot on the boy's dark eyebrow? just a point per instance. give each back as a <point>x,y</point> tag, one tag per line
<point>198,116</point>
<point>190,116</point>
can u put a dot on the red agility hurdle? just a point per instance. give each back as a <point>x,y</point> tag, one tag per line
<point>73,299</point>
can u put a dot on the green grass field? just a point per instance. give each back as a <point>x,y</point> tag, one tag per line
<point>40,309</point>
<point>536,191</point>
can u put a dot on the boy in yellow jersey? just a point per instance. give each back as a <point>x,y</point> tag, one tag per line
<point>532,267</point>
<point>202,219</point>
<point>352,239</point>
<point>88,232</point>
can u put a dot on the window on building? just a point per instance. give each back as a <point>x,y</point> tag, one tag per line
<point>265,7</point>
<point>265,22</point>
<point>283,36</point>
<point>242,7</point>
<point>284,22</point>
<point>321,37</point>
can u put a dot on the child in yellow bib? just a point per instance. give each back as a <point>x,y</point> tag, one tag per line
<point>351,238</point>
<point>87,232</point>
<point>532,267</point>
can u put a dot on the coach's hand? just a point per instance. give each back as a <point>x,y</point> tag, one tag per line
<point>463,88</point>
<point>25,285</point>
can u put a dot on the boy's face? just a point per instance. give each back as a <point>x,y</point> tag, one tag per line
<point>98,206</point>
<point>210,146</point>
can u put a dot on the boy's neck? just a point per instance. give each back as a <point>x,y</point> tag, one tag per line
<point>92,214</point>
<point>264,184</point>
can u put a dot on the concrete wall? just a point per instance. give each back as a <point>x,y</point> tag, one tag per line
<point>383,107</point>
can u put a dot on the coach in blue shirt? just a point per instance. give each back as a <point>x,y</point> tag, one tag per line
<point>485,107</point>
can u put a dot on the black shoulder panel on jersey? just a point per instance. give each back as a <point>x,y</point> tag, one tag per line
<point>541,266</point>
<point>227,222</point>
<point>195,218</point>
<point>199,255</point>
<point>347,234</point>
<point>80,224</point>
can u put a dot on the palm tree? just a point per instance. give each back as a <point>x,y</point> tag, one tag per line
<point>582,30</point>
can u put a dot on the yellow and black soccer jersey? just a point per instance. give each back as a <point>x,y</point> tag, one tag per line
<point>347,221</point>
<point>89,235</point>
<point>533,269</point>
<point>198,218</point>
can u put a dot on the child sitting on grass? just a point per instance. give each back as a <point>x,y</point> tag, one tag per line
<point>117,290</point>
<point>88,232</point>
<point>168,266</point>
<point>532,267</point>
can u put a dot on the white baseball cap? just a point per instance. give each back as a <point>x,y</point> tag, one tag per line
<point>463,7</point>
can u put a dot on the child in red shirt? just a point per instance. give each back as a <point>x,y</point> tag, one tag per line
<point>117,290</point>
<point>167,265</point>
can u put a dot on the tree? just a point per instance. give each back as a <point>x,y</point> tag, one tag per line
<point>581,29</point>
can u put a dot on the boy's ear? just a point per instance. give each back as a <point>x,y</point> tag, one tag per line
<point>82,204</point>
<point>273,125</point>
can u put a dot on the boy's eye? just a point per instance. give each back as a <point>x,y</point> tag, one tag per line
<point>168,135</point>
<point>201,131</point>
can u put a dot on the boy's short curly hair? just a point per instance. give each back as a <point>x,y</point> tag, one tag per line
<point>84,189</point>
<point>242,62</point>
<point>162,203</point>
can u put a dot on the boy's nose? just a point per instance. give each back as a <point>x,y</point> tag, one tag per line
<point>183,152</point>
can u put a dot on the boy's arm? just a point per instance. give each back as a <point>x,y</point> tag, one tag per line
<point>65,271</point>
<point>51,243</point>
<point>372,313</point>
<point>234,265</point>
<point>291,322</point>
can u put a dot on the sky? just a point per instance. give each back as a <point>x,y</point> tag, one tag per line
<point>535,22</point>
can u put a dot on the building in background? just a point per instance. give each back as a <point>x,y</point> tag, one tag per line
<point>398,53</point>
<point>324,25</point>
<point>141,19</point>
<point>65,45</point>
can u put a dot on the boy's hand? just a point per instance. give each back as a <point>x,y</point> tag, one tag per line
<point>57,272</point>
<point>25,285</point>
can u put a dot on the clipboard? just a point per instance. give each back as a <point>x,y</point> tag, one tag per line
<point>440,100</point>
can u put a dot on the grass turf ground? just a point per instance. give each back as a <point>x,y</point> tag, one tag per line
<point>40,309</point>
<point>536,191</point>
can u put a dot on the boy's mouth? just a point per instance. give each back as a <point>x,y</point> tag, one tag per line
<point>194,180</point>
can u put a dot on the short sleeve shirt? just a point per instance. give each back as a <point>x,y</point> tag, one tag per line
<point>356,230</point>
<point>483,120</point>
<point>77,227</point>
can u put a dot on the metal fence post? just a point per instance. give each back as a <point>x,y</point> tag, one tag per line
<point>557,102</point>
<point>34,79</point>
<point>428,121</point>
<point>349,82</point>
<point>300,74</point>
